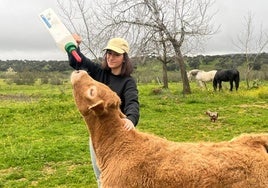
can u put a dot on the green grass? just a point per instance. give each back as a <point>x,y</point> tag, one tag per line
<point>44,141</point>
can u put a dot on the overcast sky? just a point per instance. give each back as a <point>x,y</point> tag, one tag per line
<point>23,35</point>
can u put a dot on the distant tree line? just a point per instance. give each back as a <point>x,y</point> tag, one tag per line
<point>219,62</point>
<point>56,72</point>
<point>29,72</point>
<point>34,65</point>
<point>226,61</point>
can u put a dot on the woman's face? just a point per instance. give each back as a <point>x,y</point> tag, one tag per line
<point>114,59</point>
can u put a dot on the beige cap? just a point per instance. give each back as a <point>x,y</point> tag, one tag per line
<point>118,45</point>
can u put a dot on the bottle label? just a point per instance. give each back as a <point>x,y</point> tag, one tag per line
<point>45,21</point>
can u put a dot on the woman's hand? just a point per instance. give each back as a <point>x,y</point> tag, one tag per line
<point>77,38</point>
<point>128,124</point>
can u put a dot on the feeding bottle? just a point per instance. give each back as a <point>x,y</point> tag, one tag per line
<point>60,33</point>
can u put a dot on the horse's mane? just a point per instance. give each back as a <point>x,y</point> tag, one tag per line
<point>194,72</point>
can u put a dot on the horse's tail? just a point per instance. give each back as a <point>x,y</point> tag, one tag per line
<point>215,81</point>
<point>237,79</point>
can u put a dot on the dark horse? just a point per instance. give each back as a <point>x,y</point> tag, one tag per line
<point>231,75</point>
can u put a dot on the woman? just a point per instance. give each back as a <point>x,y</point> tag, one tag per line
<point>114,72</point>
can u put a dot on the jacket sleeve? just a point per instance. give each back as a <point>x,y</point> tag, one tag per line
<point>86,64</point>
<point>131,108</point>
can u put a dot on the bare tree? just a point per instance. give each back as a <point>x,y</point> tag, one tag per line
<point>164,59</point>
<point>162,53</point>
<point>251,45</point>
<point>154,25</point>
<point>169,22</point>
<point>82,17</point>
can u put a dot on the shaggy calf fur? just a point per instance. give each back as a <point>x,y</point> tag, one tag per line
<point>135,159</point>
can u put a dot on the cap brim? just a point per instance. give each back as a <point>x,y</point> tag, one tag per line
<point>115,49</point>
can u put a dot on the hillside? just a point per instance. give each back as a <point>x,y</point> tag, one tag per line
<point>146,69</point>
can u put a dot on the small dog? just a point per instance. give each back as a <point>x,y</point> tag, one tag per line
<point>213,115</point>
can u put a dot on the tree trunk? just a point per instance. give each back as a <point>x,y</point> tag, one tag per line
<point>185,81</point>
<point>165,76</point>
<point>247,76</point>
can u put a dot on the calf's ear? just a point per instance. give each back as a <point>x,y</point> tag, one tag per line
<point>97,107</point>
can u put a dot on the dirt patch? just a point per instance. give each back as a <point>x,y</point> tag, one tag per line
<point>8,171</point>
<point>48,170</point>
<point>259,105</point>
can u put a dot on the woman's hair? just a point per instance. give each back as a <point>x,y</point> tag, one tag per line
<point>127,67</point>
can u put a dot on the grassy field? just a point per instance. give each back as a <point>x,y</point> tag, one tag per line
<point>44,141</point>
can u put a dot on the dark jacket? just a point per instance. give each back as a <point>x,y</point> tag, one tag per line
<point>125,87</point>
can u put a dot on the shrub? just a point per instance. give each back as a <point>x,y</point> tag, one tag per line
<point>22,78</point>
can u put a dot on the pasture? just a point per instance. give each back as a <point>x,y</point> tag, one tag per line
<point>44,141</point>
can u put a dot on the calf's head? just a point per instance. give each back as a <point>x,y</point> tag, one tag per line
<point>92,96</point>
